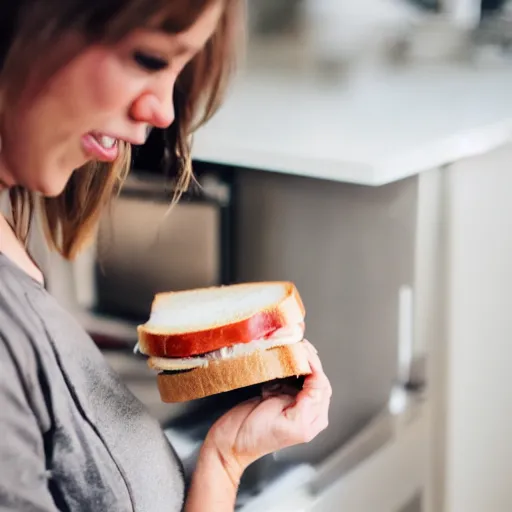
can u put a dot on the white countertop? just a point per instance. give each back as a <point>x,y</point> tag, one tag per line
<point>374,131</point>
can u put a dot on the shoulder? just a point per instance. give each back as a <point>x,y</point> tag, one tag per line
<point>20,380</point>
<point>19,324</point>
<point>21,333</point>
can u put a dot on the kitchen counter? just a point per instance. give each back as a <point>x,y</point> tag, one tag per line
<point>371,131</point>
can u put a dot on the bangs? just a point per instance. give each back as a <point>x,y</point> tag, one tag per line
<point>174,18</point>
<point>40,26</point>
<point>169,16</point>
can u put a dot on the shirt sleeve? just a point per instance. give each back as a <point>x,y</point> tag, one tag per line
<point>23,475</point>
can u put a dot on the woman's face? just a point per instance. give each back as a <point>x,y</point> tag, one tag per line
<point>104,95</point>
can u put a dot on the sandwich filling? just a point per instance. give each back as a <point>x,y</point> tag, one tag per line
<point>284,336</point>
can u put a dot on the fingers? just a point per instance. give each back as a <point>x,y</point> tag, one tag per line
<point>316,385</point>
<point>309,415</point>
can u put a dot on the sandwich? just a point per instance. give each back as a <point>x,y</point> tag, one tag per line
<point>212,340</point>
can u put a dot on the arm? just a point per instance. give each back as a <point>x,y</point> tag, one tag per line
<point>253,429</point>
<point>213,483</point>
<point>23,478</point>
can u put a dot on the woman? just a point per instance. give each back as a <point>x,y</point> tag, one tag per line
<point>80,82</point>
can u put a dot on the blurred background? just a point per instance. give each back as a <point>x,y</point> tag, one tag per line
<point>363,152</point>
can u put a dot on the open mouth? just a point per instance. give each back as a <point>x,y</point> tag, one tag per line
<point>100,147</point>
<point>105,141</point>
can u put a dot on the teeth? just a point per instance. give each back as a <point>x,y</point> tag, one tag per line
<point>106,142</point>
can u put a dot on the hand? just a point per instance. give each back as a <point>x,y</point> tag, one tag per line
<point>272,422</point>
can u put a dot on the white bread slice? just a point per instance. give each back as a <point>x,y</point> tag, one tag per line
<point>194,322</point>
<point>228,374</point>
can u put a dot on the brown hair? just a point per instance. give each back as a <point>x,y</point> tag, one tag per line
<point>32,27</point>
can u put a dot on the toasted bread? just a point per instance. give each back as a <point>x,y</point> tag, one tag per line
<point>194,322</point>
<point>228,374</point>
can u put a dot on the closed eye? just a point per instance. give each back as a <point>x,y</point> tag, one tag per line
<point>150,62</point>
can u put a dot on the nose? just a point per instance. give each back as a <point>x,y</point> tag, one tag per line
<point>154,109</point>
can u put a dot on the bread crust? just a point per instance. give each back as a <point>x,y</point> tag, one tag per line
<point>228,374</point>
<point>290,311</point>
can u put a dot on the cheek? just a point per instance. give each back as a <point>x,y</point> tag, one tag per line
<point>102,83</point>
<point>109,88</point>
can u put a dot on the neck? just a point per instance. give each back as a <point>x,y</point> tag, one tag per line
<point>3,185</point>
<point>3,171</point>
<point>6,177</point>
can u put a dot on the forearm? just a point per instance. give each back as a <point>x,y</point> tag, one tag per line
<point>214,484</point>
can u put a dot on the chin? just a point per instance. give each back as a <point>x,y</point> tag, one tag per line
<point>50,192</point>
<point>53,185</point>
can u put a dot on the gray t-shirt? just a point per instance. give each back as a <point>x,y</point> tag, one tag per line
<point>72,436</point>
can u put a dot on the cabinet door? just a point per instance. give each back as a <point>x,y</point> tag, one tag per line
<point>478,455</point>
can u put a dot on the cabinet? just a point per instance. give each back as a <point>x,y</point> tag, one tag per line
<point>476,428</point>
<point>447,233</point>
